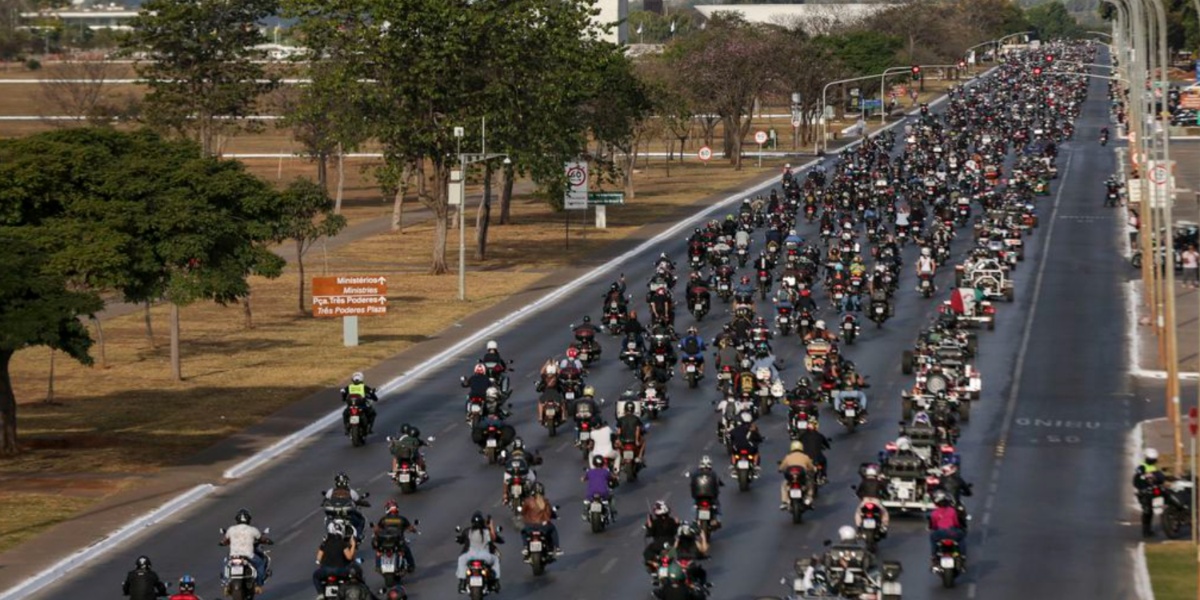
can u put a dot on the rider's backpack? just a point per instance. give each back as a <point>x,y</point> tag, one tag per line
<point>691,345</point>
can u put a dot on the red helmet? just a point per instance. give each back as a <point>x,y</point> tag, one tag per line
<point>391,508</point>
<point>572,352</point>
<point>480,369</point>
<point>745,279</point>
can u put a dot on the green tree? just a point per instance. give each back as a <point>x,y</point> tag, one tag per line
<point>37,308</point>
<point>200,65</point>
<point>863,51</point>
<point>307,217</point>
<point>322,119</point>
<point>1052,20</point>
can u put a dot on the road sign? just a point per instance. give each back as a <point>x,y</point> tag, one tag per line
<point>1193,420</point>
<point>349,296</point>
<point>760,137</point>
<point>704,153</point>
<point>1190,100</point>
<point>1159,174</point>
<point>576,195</point>
<point>795,122</point>
<point>603,198</point>
<point>866,103</point>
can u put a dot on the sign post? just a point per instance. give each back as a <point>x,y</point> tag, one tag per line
<point>576,195</point>
<point>600,201</point>
<point>1193,421</point>
<point>760,138</point>
<point>349,297</point>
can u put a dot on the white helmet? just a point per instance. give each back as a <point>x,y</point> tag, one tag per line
<point>357,377</point>
<point>746,417</point>
<point>551,369</point>
<point>651,393</point>
<point>705,462</point>
<point>846,533</point>
<point>871,471</point>
<point>493,393</point>
<point>903,443</point>
<point>492,345</point>
<point>763,373</point>
<point>820,324</point>
<point>1151,455</point>
<point>926,251</point>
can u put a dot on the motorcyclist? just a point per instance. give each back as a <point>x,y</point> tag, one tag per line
<point>706,485</point>
<point>538,515</point>
<point>871,490</point>
<point>690,545</point>
<point>507,432</point>
<point>746,437</point>
<point>819,332</point>
<point>602,445</point>
<point>342,495</point>
<point>335,556</point>
<point>675,586</point>
<point>492,358</point>
<point>815,444</point>
<point>1146,477</point>
<point>407,446</point>
<point>848,552</point>
<point>354,588</point>
<point>796,458</point>
<point>743,292</point>
<point>944,523</point>
<point>549,395</point>
<point>243,540</point>
<point>662,308</point>
<point>634,330</point>
<point>660,527</point>
<point>692,346</point>
<point>517,464</point>
<point>478,383</point>
<point>479,542</point>
<point>142,583</point>
<point>587,331</point>
<point>571,361</point>
<point>187,589</point>
<point>361,390</point>
<point>805,301</point>
<point>600,481</point>
<point>850,385</point>
<point>390,531</point>
<point>631,430</point>
<point>926,266</point>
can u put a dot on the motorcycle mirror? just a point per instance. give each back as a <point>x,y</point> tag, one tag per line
<point>827,543</point>
<point>416,522</point>
<point>457,529</point>
<point>365,494</point>
<point>572,326</point>
<point>499,528</point>
<point>783,581</point>
<point>389,439</point>
<point>222,530</point>
<point>687,473</point>
<point>267,531</point>
<point>430,439</point>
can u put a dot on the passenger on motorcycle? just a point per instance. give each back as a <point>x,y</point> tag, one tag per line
<point>360,390</point>
<point>814,444</point>
<point>478,383</point>
<point>491,356</point>
<point>538,515</point>
<point>571,361</point>
<point>796,458</point>
<point>692,346</point>
<point>335,557</point>
<point>391,529</point>
<point>631,429</point>
<point>243,540</point>
<point>747,437</point>
<point>706,485</point>
<point>407,446</point>
<point>478,543</point>
<point>602,445</point>
<point>871,490</point>
<point>660,527</point>
<point>518,464</point>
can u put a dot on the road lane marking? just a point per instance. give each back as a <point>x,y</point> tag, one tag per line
<point>612,562</point>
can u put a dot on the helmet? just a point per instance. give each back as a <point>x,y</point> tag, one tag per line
<point>804,293</point>
<point>651,392</point>
<point>588,391</point>
<point>1151,455</point>
<point>538,489</point>
<point>143,562</point>
<point>597,461</point>
<point>705,462</point>
<point>838,267</point>
<point>391,508</point>
<point>745,279</point>
<point>341,481</point>
<point>661,508</point>
<point>761,321</point>
<point>746,417</point>
<point>949,469</point>
<point>587,319</point>
<point>187,584</point>
<point>518,444</point>
<point>492,345</point>
<point>926,251</point>
<point>242,517</point>
<point>871,471</point>
<point>692,330</point>
<point>903,443</point>
<point>477,520</point>
<point>662,256</point>
<point>796,446</point>
<point>357,378</point>
<point>551,369</point>
<point>820,324</point>
<point>763,373</point>
<point>633,315</point>
<point>804,382</point>
<point>493,393</point>
<point>480,369</point>
<point>921,419</point>
<point>846,533</point>
<point>336,528</point>
<point>572,353</point>
<point>940,498</point>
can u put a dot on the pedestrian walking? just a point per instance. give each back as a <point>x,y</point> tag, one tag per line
<point>1191,267</point>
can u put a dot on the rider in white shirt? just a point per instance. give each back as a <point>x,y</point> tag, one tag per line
<point>925,264</point>
<point>602,445</point>
<point>243,540</point>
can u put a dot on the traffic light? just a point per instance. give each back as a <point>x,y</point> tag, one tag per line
<point>916,72</point>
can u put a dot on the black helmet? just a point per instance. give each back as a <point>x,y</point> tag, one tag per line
<point>804,382</point>
<point>341,481</point>
<point>242,517</point>
<point>143,562</point>
<point>477,520</point>
<point>587,319</point>
<point>518,444</point>
<point>597,461</point>
<point>539,489</point>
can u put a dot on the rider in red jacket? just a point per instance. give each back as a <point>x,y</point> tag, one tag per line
<point>187,589</point>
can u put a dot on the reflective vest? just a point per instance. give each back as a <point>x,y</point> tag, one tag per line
<point>357,389</point>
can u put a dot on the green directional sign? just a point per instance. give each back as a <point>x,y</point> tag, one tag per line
<point>605,198</point>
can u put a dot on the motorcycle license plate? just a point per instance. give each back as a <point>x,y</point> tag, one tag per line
<point>699,307</point>
<point>851,412</point>
<point>798,586</point>
<point>947,562</point>
<point>743,464</point>
<point>405,478</point>
<point>387,564</point>
<point>585,435</point>
<point>569,395</point>
<point>476,408</point>
<point>783,319</point>
<point>492,443</point>
<point>551,411</point>
<point>879,310</point>
<point>891,588</point>
<point>596,507</point>
<point>354,420</point>
<point>869,523</point>
<point>704,514</point>
<point>237,571</point>
<point>476,581</point>
<point>804,323</point>
<point>535,546</point>
<point>628,455</point>
<point>516,491</point>
<point>723,287</point>
<point>691,368</point>
<point>796,494</point>
<point>802,425</point>
<point>659,358</point>
<point>662,572</point>
<point>848,326</point>
<point>331,591</point>
<point>1157,502</point>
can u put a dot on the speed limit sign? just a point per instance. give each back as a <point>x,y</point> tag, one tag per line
<point>704,153</point>
<point>760,137</point>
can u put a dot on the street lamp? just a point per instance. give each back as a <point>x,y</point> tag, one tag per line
<point>457,195</point>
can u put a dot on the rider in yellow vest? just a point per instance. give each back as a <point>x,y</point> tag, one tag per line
<point>361,390</point>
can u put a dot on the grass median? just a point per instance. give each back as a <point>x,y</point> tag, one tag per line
<point>1172,568</point>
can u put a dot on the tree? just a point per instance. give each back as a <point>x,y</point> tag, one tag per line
<point>618,113</point>
<point>307,217</point>
<point>37,308</point>
<point>201,67</point>
<point>1052,20</point>
<point>322,118</point>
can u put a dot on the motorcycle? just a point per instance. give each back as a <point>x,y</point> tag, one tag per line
<point>764,284</point>
<point>948,562</point>
<point>691,371</point>
<point>926,285</point>
<point>798,499</point>
<point>1177,508</point>
<point>392,549</point>
<point>239,575</point>
<point>744,469</point>
<point>589,348</point>
<point>552,416</point>
<point>598,513</point>
<point>879,312</point>
<point>537,553</point>
<point>358,420</point>
<point>491,444</point>
<point>331,587</point>
<point>724,289</point>
<point>743,254</point>
<point>706,516</point>
<point>480,579</point>
<point>408,476</point>
<point>632,355</point>
<point>783,319</point>
<point>699,306</point>
<point>870,529</point>
<point>850,330</point>
<point>629,462</point>
<point>614,318</point>
<point>518,489</point>
<point>851,416</point>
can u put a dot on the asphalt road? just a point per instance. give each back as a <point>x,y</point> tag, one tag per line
<point>1043,492</point>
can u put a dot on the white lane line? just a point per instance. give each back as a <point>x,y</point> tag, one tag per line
<point>291,536</point>
<point>971,590</point>
<point>987,518</point>
<point>304,518</point>
<point>447,428</point>
<point>612,562</point>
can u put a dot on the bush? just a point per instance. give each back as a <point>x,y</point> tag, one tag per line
<point>33,64</point>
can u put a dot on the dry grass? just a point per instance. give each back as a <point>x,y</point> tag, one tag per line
<point>23,516</point>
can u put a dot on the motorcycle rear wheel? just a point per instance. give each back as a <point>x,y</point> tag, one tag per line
<point>948,577</point>
<point>539,566</point>
<point>743,478</point>
<point>797,510</point>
